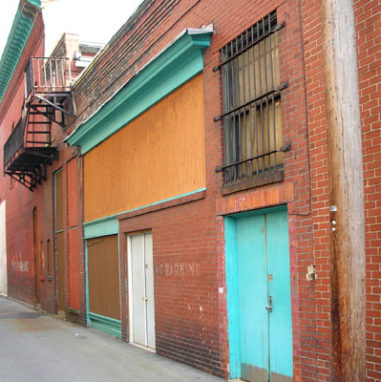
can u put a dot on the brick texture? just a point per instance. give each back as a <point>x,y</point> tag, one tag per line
<point>188,233</point>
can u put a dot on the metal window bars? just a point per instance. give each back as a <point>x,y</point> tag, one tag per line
<point>252,114</point>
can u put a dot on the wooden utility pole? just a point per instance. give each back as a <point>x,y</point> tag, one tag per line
<point>346,191</point>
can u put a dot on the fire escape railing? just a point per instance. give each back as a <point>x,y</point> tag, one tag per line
<point>29,150</point>
<point>48,75</point>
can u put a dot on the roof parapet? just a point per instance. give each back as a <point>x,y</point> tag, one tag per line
<point>22,26</point>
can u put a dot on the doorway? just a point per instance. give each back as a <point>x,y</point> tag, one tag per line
<point>36,254</point>
<point>141,291</point>
<point>59,239</point>
<point>3,251</point>
<point>259,300</point>
<point>103,284</point>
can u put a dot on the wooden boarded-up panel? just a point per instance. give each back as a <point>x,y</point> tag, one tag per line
<point>58,199</point>
<point>72,193</point>
<point>73,236</point>
<point>36,235</point>
<point>60,270</point>
<point>103,276</point>
<point>3,250</point>
<point>159,155</point>
<point>59,238</point>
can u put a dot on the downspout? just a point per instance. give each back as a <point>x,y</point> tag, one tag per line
<point>346,191</point>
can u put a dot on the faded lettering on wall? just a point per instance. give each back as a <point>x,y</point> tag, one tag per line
<point>177,269</point>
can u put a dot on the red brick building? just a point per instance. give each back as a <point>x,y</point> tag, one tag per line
<point>193,209</point>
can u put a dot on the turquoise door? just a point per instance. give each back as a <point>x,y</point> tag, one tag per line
<point>259,303</point>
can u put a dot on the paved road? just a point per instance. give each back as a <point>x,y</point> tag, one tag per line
<point>40,348</point>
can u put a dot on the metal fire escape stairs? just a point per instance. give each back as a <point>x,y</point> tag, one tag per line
<point>31,146</point>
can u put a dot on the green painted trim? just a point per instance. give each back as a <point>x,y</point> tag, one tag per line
<point>106,324</point>
<point>18,36</point>
<point>173,67</point>
<point>109,225</point>
<point>101,227</point>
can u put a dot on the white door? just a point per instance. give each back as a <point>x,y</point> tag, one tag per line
<point>3,251</point>
<point>141,291</point>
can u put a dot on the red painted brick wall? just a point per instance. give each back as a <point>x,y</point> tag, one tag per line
<point>21,202</point>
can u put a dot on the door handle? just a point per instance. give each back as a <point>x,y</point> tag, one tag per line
<point>269,306</point>
<point>145,298</point>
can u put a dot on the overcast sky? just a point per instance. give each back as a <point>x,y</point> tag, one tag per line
<point>93,20</point>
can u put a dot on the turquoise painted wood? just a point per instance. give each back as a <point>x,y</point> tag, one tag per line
<point>280,321</point>
<point>257,267</point>
<point>252,291</point>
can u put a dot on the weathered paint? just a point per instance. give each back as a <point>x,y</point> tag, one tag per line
<point>3,250</point>
<point>258,341</point>
<point>165,146</point>
<point>346,191</point>
<point>173,67</point>
<point>109,225</point>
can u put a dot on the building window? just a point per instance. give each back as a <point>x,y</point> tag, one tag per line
<point>252,106</point>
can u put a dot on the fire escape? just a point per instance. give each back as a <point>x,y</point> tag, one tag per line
<point>31,146</point>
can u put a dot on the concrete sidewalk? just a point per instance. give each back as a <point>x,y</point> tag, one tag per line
<point>39,348</point>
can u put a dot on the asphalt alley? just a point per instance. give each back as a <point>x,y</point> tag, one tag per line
<point>38,347</point>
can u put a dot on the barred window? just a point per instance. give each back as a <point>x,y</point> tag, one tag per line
<point>252,110</point>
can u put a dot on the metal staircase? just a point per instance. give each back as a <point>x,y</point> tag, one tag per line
<point>30,147</point>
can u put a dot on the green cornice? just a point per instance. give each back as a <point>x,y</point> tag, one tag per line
<point>178,63</point>
<point>22,26</point>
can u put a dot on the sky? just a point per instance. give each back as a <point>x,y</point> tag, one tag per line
<point>94,20</point>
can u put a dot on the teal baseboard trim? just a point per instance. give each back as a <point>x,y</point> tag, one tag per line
<point>109,225</point>
<point>177,64</point>
<point>107,325</point>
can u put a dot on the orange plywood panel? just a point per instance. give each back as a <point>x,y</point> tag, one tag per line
<point>73,192</point>
<point>159,155</point>
<point>74,268</point>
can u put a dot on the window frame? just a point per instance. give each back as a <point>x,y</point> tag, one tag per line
<point>235,158</point>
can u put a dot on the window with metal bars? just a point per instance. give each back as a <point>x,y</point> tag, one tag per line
<point>252,107</point>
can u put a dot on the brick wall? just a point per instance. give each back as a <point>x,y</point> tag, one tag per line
<point>191,312</point>
<point>21,202</point>
<point>368,24</point>
<point>179,319</point>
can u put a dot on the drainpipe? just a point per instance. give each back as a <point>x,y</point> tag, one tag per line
<point>346,191</point>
